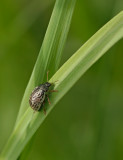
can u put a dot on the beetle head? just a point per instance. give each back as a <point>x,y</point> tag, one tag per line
<point>47,84</point>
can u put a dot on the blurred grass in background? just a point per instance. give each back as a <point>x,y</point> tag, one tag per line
<point>94,127</point>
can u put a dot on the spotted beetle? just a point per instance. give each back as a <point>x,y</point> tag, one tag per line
<point>39,94</point>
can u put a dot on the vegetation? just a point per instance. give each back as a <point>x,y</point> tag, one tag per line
<point>67,75</point>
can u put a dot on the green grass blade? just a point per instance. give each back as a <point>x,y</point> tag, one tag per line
<point>67,75</point>
<point>51,49</point>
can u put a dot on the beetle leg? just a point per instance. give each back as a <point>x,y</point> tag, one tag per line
<point>44,110</point>
<point>48,99</point>
<point>53,91</point>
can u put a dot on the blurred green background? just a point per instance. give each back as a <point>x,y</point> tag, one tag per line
<point>87,124</point>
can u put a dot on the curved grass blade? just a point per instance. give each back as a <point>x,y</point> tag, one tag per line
<point>53,44</point>
<point>67,75</point>
<point>51,49</point>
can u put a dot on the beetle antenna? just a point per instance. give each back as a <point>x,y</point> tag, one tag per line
<point>47,75</point>
<point>55,82</point>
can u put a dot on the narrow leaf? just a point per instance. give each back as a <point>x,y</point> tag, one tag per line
<point>51,50</point>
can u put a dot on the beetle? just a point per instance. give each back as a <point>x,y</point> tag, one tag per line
<point>39,94</point>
